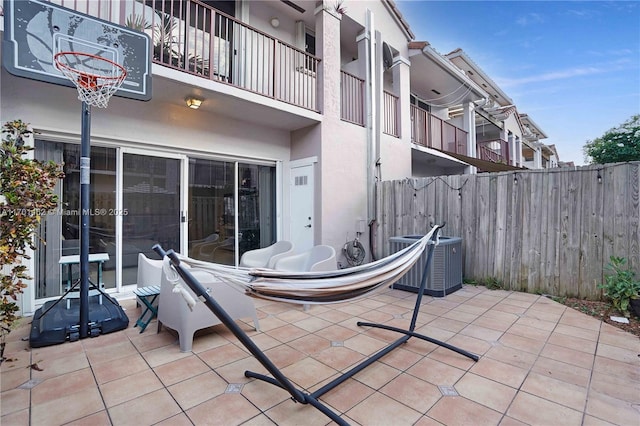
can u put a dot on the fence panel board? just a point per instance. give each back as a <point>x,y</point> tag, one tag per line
<point>545,230</point>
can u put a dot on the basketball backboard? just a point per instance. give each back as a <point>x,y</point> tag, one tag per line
<point>35,30</point>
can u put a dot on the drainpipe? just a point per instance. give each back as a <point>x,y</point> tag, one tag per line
<point>370,90</point>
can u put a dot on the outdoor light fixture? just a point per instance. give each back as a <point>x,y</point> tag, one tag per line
<point>194,103</point>
<point>275,22</point>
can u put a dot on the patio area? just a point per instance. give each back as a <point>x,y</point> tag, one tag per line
<point>540,363</point>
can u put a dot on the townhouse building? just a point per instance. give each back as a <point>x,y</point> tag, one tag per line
<point>267,120</point>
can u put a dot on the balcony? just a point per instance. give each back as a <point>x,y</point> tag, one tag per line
<point>390,115</point>
<point>433,132</point>
<point>496,151</point>
<point>197,39</point>
<point>351,98</point>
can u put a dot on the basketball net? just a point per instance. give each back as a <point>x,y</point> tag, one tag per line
<point>96,78</point>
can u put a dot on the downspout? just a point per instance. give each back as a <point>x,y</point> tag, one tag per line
<point>372,138</point>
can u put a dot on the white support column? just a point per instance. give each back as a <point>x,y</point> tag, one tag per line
<point>537,158</point>
<point>469,124</point>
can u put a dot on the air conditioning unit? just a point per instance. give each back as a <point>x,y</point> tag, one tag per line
<point>445,272</point>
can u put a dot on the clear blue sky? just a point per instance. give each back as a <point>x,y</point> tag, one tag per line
<point>573,66</point>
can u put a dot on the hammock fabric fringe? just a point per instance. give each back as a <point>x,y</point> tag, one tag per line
<point>316,288</point>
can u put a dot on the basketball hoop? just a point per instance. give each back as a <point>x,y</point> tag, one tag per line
<point>95,77</point>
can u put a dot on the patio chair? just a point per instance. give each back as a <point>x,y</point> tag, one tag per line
<point>266,257</point>
<point>149,271</point>
<point>174,313</point>
<point>318,258</point>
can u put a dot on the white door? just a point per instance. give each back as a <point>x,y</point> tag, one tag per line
<point>302,222</point>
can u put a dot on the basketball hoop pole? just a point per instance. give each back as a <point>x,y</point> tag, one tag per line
<point>85,181</point>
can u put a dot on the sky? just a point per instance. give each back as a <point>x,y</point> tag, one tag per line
<point>572,66</point>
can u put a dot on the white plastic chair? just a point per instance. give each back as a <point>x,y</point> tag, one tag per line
<point>266,257</point>
<point>174,312</point>
<point>318,258</point>
<point>149,271</point>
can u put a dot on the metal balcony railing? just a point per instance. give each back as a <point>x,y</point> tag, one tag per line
<point>390,115</point>
<point>433,132</point>
<point>496,150</point>
<point>195,38</point>
<point>351,98</point>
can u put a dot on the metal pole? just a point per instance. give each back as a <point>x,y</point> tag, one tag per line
<point>85,179</point>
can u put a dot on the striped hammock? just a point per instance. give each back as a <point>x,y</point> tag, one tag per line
<point>319,287</point>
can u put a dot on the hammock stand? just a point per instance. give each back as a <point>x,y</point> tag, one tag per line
<point>278,378</point>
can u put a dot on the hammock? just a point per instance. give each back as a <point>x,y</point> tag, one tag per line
<point>314,287</point>
<point>318,287</point>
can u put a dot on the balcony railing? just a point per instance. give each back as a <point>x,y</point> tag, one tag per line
<point>496,150</point>
<point>351,98</point>
<point>390,115</point>
<point>433,132</point>
<point>197,39</point>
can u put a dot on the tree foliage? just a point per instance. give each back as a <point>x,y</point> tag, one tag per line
<point>27,193</point>
<point>619,144</point>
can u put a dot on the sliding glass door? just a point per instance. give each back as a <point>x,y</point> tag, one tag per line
<point>151,207</point>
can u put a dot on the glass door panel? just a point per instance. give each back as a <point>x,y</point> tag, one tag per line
<point>59,231</point>
<point>151,209</point>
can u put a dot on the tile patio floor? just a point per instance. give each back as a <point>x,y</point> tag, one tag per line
<point>540,363</point>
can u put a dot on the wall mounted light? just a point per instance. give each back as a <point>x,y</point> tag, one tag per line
<point>193,102</point>
<point>275,22</point>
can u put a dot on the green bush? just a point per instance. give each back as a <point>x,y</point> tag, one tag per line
<point>620,285</point>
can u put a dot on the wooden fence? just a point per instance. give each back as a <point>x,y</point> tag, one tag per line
<point>541,231</point>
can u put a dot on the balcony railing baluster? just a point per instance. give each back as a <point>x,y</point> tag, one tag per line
<point>228,51</point>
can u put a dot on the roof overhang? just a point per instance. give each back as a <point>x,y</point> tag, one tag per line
<point>437,81</point>
<point>437,159</point>
<point>484,165</point>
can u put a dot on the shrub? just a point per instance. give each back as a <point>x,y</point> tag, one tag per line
<point>620,285</point>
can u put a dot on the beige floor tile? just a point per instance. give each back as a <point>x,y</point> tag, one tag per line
<point>521,343</point>
<point>60,386</point>
<point>500,372</point>
<point>481,333</point>
<point>128,388</point>
<point>511,356</point>
<point>560,392</point>
<point>485,392</point>
<point>629,356</point>
<point>124,367</point>
<point>179,370</point>
<point>289,413</point>
<point>575,343</point>
<point>13,378</point>
<point>339,357</point>
<point>147,409</point>
<point>532,333</point>
<point>612,410</point>
<point>577,319</point>
<point>264,395</point>
<point>308,372</point>
<point>347,395</point>
<point>570,356</point>
<point>401,358</point>
<point>436,372</point>
<point>562,371</point>
<point>409,390</point>
<point>535,410</point>
<point>364,344</point>
<point>284,355</point>
<point>222,355</point>
<point>288,333</point>
<point>234,372</point>
<point>226,409</point>
<point>376,316</point>
<point>448,324</point>
<point>615,368</point>
<point>470,344</point>
<point>613,336</point>
<point>197,389</point>
<point>616,387</point>
<point>164,354</point>
<point>459,411</point>
<point>593,421</point>
<point>17,418</point>
<point>379,409</point>
<point>377,375</point>
<point>150,340</point>
<point>111,353</point>
<point>68,408</point>
<point>311,344</point>
<point>100,418</point>
<point>576,331</point>
<point>180,419</point>
<point>14,400</point>
<point>492,323</point>
<point>48,367</point>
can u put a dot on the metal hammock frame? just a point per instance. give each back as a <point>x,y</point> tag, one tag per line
<point>277,378</point>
